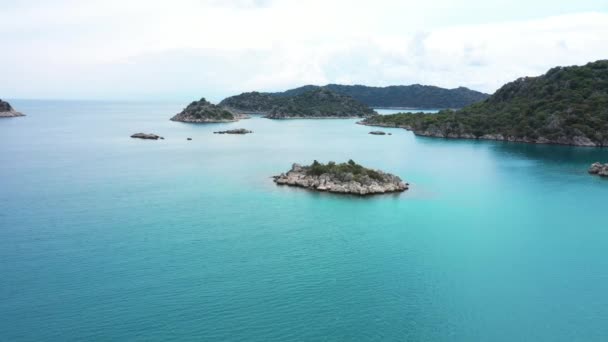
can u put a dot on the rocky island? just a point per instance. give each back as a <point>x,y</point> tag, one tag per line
<point>599,169</point>
<point>566,106</point>
<point>6,111</point>
<point>319,104</point>
<point>344,178</point>
<point>146,136</point>
<point>234,131</point>
<point>203,111</point>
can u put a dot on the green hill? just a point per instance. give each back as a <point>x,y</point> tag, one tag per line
<point>567,105</point>
<point>318,103</point>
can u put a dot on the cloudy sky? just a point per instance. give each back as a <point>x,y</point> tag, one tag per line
<point>180,50</point>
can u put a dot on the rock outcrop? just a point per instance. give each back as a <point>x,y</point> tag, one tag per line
<point>599,169</point>
<point>6,111</point>
<point>345,178</point>
<point>147,136</point>
<point>203,111</point>
<point>234,131</point>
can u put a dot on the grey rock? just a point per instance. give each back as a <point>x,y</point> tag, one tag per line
<point>7,111</point>
<point>234,131</point>
<point>147,136</point>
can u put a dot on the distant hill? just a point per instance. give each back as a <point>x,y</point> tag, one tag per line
<point>253,102</point>
<point>567,105</point>
<point>318,103</point>
<point>410,96</point>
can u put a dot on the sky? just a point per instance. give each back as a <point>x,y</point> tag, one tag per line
<point>186,49</point>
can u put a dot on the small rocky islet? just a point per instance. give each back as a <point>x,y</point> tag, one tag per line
<point>344,178</point>
<point>146,136</point>
<point>599,169</point>
<point>7,111</point>
<point>234,131</point>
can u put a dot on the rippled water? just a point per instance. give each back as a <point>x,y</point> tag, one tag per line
<point>103,237</point>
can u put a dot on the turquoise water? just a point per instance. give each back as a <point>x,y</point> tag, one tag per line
<point>106,238</point>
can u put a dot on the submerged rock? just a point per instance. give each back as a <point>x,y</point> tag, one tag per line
<point>345,178</point>
<point>6,111</point>
<point>234,131</point>
<point>148,136</point>
<point>599,169</point>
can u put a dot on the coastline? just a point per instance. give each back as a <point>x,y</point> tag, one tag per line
<point>583,142</point>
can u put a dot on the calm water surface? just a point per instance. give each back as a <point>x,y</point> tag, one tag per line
<point>106,238</point>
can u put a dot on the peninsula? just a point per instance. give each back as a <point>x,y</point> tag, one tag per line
<point>6,111</point>
<point>566,106</point>
<point>203,111</point>
<point>344,178</point>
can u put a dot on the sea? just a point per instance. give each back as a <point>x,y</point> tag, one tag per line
<point>108,238</point>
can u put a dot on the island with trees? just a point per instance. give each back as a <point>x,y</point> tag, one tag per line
<point>343,178</point>
<point>203,111</point>
<point>401,96</point>
<point>318,103</point>
<point>567,106</point>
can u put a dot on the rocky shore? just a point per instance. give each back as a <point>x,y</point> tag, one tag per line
<point>599,169</point>
<point>435,132</point>
<point>345,178</point>
<point>234,131</point>
<point>6,111</point>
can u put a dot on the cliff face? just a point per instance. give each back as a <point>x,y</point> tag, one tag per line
<point>203,111</point>
<point>566,106</point>
<point>319,103</point>
<point>6,111</point>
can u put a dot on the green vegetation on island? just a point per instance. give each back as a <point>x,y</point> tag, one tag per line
<point>345,178</point>
<point>403,96</point>
<point>410,96</point>
<point>203,111</point>
<point>253,102</point>
<point>567,105</point>
<point>318,103</point>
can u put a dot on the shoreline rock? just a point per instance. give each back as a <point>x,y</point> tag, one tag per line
<point>234,131</point>
<point>146,136</point>
<point>345,178</point>
<point>7,111</point>
<point>599,169</point>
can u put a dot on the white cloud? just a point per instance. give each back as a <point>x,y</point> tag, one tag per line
<point>141,49</point>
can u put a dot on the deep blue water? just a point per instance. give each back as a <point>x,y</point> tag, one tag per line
<point>106,238</point>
